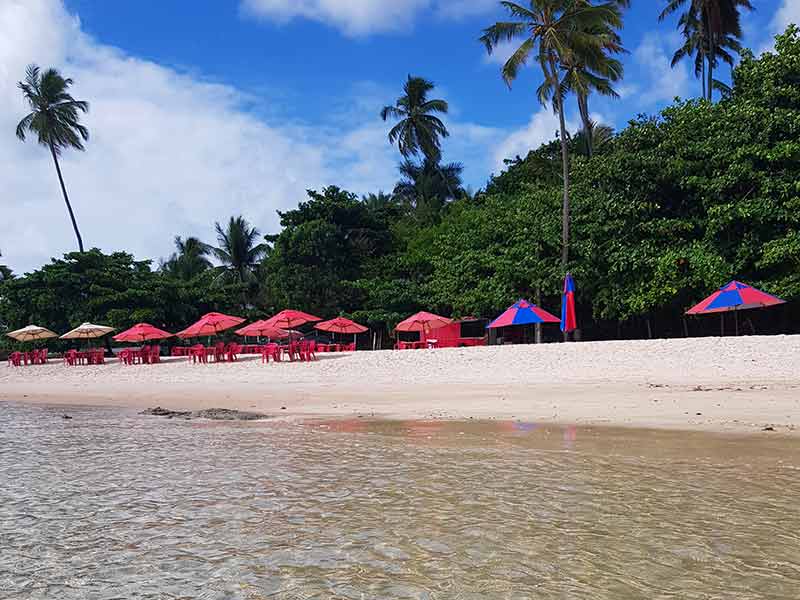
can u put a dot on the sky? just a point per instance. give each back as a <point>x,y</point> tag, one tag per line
<point>200,111</point>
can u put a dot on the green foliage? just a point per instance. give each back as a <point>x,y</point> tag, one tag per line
<point>326,242</point>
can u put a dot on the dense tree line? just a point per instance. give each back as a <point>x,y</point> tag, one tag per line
<point>661,213</point>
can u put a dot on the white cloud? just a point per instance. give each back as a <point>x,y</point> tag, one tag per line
<point>658,82</point>
<point>354,17</point>
<point>789,12</point>
<point>364,17</point>
<point>168,154</point>
<point>542,128</point>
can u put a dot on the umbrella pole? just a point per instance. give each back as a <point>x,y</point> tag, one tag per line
<point>736,322</point>
<point>722,324</point>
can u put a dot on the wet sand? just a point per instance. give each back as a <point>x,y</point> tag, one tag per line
<point>742,384</point>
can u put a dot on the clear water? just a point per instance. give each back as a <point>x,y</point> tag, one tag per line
<point>111,504</point>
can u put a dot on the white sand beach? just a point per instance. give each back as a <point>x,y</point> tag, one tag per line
<point>717,384</point>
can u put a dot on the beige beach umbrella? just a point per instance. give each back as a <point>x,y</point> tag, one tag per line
<point>31,333</point>
<point>87,331</point>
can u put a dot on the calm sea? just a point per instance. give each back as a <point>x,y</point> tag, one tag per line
<point>111,504</point>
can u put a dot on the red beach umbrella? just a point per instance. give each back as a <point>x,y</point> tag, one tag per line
<point>142,332</point>
<point>210,324</point>
<point>423,322</point>
<point>340,325</point>
<point>289,319</point>
<point>261,329</point>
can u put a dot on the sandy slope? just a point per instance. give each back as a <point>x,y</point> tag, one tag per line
<point>736,384</point>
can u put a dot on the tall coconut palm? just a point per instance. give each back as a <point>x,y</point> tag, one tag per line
<point>419,131</point>
<point>54,119</point>
<point>582,81</point>
<point>239,250</point>
<point>714,27</point>
<point>601,135</point>
<point>696,44</point>
<point>189,260</point>
<point>555,33</point>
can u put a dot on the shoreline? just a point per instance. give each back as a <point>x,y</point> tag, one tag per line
<point>737,385</point>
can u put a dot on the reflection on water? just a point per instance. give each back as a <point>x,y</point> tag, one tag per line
<point>115,505</point>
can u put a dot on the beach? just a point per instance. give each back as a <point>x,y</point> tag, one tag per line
<point>744,384</point>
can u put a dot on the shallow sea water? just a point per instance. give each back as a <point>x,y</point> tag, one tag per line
<point>112,504</point>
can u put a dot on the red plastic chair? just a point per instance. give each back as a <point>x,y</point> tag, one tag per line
<point>71,358</point>
<point>155,355</point>
<point>15,359</point>
<point>232,351</point>
<point>125,357</point>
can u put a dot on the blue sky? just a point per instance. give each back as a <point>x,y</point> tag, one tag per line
<point>202,110</point>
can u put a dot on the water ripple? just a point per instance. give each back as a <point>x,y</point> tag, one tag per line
<point>115,505</point>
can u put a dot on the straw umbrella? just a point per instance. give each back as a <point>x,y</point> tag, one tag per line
<point>87,331</point>
<point>31,333</point>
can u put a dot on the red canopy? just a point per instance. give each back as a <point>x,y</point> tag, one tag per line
<point>423,321</point>
<point>289,319</point>
<point>210,324</point>
<point>262,329</point>
<point>340,325</point>
<point>142,332</point>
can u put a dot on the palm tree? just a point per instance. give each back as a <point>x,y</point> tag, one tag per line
<point>556,33</point>
<point>582,81</point>
<point>418,131</point>
<point>710,28</point>
<point>55,120</point>
<point>238,251</point>
<point>595,137</point>
<point>426,188</point>
<point>190,259</point>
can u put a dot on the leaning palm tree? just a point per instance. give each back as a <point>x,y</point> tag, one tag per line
<point>714,26</point>
<point>555,33</point>
<point>238,250</point>
<point>189,260</point>
<point>418,131</point>
<point>55,120</point>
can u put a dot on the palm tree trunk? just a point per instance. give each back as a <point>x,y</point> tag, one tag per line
<point>66,199</point>
<point>703,77</point>
<point>583,107</point>
<point>565,165</point>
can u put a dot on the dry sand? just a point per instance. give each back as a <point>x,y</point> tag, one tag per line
<point>718,384</point>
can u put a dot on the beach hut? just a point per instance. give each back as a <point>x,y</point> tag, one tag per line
<point>734,297</point>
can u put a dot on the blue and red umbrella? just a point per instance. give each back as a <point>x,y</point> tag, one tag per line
<point>568,321</point>
<point>734,296</point>
<point>523,313</point>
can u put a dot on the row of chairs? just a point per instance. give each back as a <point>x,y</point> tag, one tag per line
<point>147,355</point>
<point>34,357</point>
<point>85,357</point>
<point>304,351</point>
<point>221,352</point>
